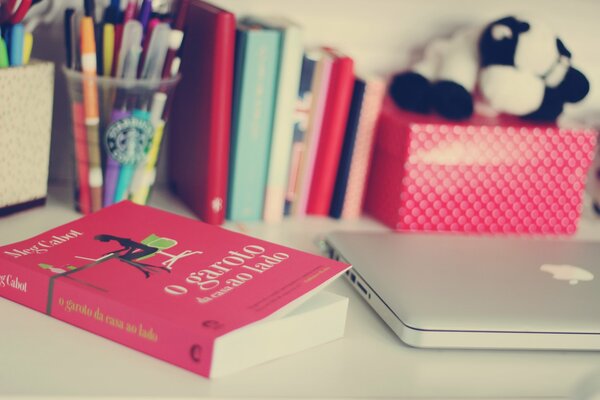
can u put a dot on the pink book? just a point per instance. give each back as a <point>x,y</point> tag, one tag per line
<point>333,128</point>
<point>320,89</point>
<point>169,286</point>
<point>363,147</point>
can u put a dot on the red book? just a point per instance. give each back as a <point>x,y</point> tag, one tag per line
<point>198,296</point>
<point>332,134</point>
<point>200,120</point>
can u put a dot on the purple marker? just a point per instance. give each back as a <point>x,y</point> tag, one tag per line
<point>144,14</point>
<point>113,167</point>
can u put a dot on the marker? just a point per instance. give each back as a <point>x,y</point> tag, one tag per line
<point>127,170</point>
<point>108,47</point>
<point>4,63</point>
<point>70,39</point>
<point>27,47</point>
<point>20,12</point>
<point>144,14</point>
<point>157,51</point>
<point>132,34</point>
<point>90,106</point>
<point>145,172</point>
<point>175,40</point>
<point>175,66</point>
<point>178,26</point>
<point>112,191</point>
<point>130,11</point>
<point>15,48</point>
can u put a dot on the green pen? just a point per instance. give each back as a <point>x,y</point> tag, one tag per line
<point>3,54</point>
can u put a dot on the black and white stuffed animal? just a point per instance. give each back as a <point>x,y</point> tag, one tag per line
<point>517,66</point>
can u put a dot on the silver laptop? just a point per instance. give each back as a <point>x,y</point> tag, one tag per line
<point>450,291</point>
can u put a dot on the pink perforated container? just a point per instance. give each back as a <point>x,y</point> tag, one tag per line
<point>484,175</point>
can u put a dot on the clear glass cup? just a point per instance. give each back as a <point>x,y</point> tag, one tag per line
<point>118,127</point>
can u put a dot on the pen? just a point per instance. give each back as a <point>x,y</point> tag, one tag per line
<point>70,39</point>
<point>78,115</point>
<point>90,105</point>
<point>81,158</point>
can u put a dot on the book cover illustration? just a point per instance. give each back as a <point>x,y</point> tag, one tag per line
<point>159,283</point>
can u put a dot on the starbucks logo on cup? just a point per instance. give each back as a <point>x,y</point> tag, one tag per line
<point>128,139</point>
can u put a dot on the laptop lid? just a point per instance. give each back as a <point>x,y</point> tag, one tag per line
<point>488,284</point>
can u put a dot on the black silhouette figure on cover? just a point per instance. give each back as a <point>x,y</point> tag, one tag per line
<point>132,251</point>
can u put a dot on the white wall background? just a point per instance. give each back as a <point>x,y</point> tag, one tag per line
<point>381,35</point>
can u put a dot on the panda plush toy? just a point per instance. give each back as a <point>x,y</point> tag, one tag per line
<point>515,66</point>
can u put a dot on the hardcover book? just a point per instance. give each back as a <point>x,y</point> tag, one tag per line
<point>256,68</point>
<point>290,64</point>
<point>200,129</point>
<point>319,90</point>
<point>341,181</point>
<point>301,119</point>
<point>198,296</point>
<point>330,141</point>
<point>352,193</point>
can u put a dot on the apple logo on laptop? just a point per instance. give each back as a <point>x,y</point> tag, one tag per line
<point>567,272</point>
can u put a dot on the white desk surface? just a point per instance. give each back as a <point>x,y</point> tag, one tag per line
<point>41,357</point>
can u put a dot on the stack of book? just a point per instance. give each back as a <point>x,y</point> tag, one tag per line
<point>265,128</point>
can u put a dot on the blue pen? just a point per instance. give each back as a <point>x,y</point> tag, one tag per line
<point>17,34</point>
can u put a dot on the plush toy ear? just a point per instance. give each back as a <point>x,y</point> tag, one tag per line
<point>498,41</point>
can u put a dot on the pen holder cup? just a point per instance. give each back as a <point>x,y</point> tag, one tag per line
<point>26,97</point>
<point>118,127</point>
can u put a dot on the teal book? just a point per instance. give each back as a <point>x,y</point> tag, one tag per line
<point>255,81</point>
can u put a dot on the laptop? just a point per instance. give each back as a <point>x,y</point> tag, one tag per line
<point>451,291</point>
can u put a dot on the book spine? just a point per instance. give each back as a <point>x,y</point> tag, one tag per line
<point>363,148</point>
<point>253,117</point>
<point>215,200</point>
<point>283,123</point>
<point>332,136</point>
<point>341,181</point>
<point>301,118</point>
<point>90,309</point>
<point>307,161</point>
<point>25,286</point>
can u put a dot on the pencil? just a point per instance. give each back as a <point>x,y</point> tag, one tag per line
<point>90,106</point>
